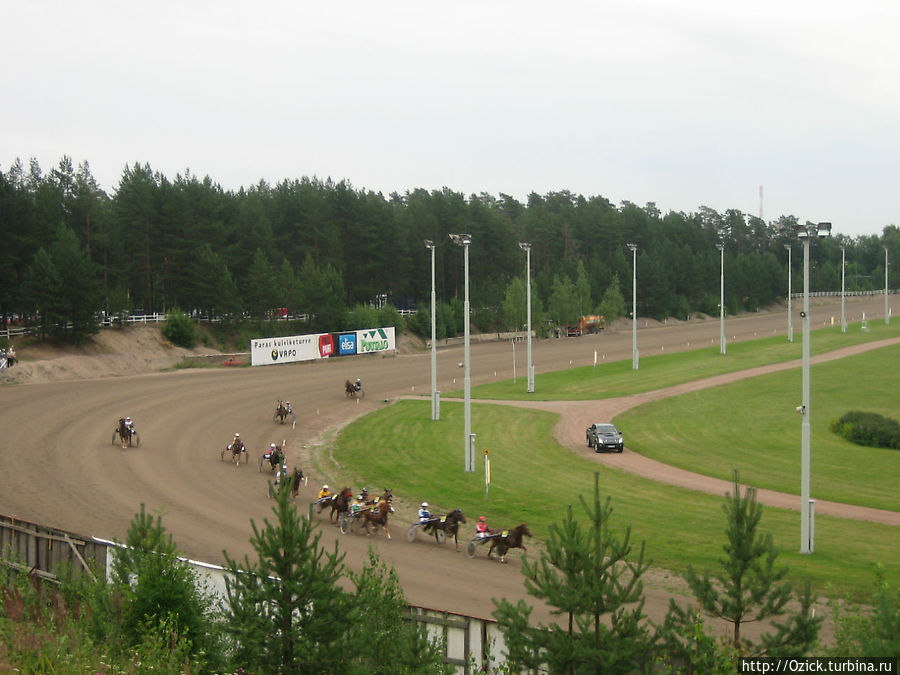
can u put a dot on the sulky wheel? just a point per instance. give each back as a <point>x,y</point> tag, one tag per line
<point>440,536</point>
<point>345,524</point>
<point>472,549</point>
<point>411,532</point>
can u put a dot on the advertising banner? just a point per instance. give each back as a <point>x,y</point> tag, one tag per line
<point>375,340</point>
<point>268,351</point>
<point>346,344</point>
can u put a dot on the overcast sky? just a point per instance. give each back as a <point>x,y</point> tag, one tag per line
<point>685,103</point>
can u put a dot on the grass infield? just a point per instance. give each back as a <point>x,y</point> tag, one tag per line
<point>534,478</point>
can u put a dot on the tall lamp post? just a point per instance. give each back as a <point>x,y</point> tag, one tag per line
<point>806,233</point>
<point>464,240</point>
<point>634,350</point>
<point>790,299</point>
<point>843,288</point>
<point>721,248</point>
<point>887,309</point>
<point>525,246</point>
<point>435,401</point>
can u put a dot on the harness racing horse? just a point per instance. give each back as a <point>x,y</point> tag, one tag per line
<point>127,435</point>
<point>352,390</point>
<point>236,448</point>
<point>375,516</point>
<point>507,539</point>
<point>339,503</point>
<point>298,479</point>
<point>282,413</point>
<point>275,458</point>
<point>447,526</point>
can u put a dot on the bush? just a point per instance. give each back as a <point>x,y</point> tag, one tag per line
<point>869,429</point>
<point>179,329</point>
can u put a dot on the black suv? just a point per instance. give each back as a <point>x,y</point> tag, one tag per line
<point>604,436</point>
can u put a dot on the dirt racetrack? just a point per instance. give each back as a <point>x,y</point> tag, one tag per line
<point>58,467</point>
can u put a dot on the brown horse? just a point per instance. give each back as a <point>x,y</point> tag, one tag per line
<point>275,458</point>
<point>448,524</point>
<point>282,412</point>
<point>377,515</point>
<point>298,479</point>
<point>236,448</point>
<point>353,390</point>
<point>507,539</point>
<point>339,503</point>
<point>127,435</point>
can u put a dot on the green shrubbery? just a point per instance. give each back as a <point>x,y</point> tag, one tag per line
<point>870,429</point>
<point>180,329</point>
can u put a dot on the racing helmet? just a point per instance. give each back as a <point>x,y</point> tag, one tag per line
<point>128,420</point>
<point>324,487</point>
<point>481,518</point>
<point>237,435</point>
<point>271,445</point>
<point>424,505</point>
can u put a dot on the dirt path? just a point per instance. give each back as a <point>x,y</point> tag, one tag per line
<point>576,416</point>
<point>58,466</point>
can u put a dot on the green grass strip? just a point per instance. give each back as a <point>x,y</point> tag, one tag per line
<point>616,378</point>
<point>753,425</point>
<point>534,478</point>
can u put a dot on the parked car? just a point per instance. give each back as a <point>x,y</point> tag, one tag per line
<point>604,436</point>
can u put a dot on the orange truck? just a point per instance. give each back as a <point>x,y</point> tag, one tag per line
<point>592,323</point>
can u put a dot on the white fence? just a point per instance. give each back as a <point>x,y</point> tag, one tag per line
<point>472,645</point>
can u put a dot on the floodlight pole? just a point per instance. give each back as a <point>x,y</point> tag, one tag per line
<point>464,240</point>
<point>790,299</point>
<point>843,288</point>
<point>807,545</point>
<point>635,360</point>
<point>435,401</point>
<point>525,246</point>
<point>721,248</point>
<point>887,309</point>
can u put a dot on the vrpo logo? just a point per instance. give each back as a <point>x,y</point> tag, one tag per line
<point>375,340</point>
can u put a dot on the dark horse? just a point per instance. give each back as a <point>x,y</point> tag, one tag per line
<point>448,524</point>
<point>126,433</point>
<point>275,458</point>
<point>377,515</point>
<point>507,539</point>
<point>353,390</point>
<point>282,412</point>
<point>297,480</point>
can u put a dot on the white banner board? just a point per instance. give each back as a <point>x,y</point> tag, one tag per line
<point>268,351</point>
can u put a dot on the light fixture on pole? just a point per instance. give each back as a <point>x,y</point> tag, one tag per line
<point>843,288</point>
<point>525,246</point>
<point>435,400</point>
<point>464,240</point>
<point>635,361</point>
<point>790,299</point>
<point>721,248</point>
<point>806,233</point>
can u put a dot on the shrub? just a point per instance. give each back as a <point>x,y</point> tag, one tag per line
<point>179,329</point>
<point>869,429</point>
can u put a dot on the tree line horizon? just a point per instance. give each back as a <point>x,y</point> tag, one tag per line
<point>323,248</point>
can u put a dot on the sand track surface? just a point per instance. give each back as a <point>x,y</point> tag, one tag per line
<point>58,465</point>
